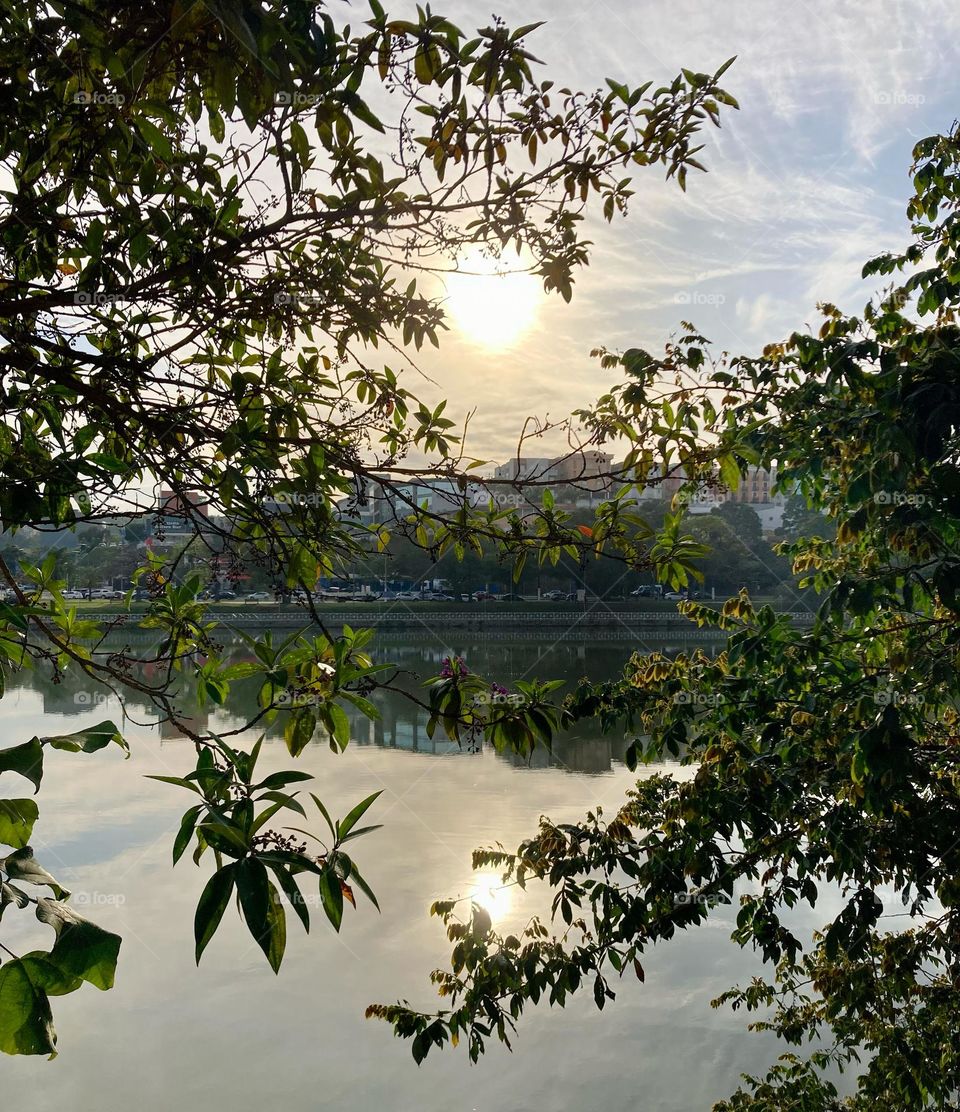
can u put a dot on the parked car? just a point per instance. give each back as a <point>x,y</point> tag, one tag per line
<point>484,596</point>
<point>555,596</point>
<point>259,596</point>
<point>105,592</point>
<point>675,596</point>
<point>211,595</point>
<point>76,594</point>
<point>409,596</point>
<point>648,590</point>
<point>512,597</point>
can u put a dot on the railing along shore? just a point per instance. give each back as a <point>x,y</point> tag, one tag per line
<point>401,615</point>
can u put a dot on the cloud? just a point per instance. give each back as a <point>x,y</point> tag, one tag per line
<point>806,183</point>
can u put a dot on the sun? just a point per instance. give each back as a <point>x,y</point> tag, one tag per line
<point>490,304</point>
<point>489,892</point>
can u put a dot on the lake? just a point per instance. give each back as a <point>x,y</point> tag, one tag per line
<point>232,1035</point>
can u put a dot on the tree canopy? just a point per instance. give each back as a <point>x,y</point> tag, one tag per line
<point>823,760</point>
<point>214,220</point>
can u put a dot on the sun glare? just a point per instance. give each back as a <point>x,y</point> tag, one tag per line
<point>488,891</point>
<point>489,307</point>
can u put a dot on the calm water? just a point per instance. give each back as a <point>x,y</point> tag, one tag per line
<point>232,1035</point>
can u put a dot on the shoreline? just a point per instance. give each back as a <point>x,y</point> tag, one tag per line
<point>404,616</point>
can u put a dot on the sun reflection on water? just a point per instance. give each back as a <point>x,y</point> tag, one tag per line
<point>489,892</point>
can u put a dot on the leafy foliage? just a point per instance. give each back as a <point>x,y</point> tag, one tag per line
<point>823,760</point>
<point>207,235</point>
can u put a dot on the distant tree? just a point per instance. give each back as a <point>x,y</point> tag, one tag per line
<point>744,520</point>
<point>729,563</point>
<point>800,520</point>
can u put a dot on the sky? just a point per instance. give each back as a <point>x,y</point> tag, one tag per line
<point>807,181</point>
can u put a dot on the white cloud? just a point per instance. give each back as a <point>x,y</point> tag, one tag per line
<point>806,182</point>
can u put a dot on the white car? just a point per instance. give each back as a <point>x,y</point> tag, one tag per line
<point>74,595</point>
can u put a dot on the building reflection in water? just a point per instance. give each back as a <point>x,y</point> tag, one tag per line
<point>402,725</point>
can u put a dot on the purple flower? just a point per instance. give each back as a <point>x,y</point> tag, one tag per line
<point>453,669</point>
<point>498,689</point>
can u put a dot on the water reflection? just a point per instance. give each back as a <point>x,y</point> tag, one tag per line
<point>232,1035</point>
<point>490,893</point>
<point>402,725</point>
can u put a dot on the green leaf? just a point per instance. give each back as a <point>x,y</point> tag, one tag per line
<point>15,616</point>
<point>26,759</point>
<point>156,139</point>
<point>348,823</point>
<point>49,976</point>
<point>9,893</point>
<point>281,779</point>
<point>187,826</point>
<point>177,780</point>
<point>83,949</point>
<point>326,814</point>
<point>299,730</point>
<point>211,906</point>
<point>339,725</point>
<point>262,910</point>
<point>359,831</point>
<point>26,1022</point>
<point>288,801</point>
<point>23,866</point>
<point>292,892</point>
<point>423,65</point>
<point>730,472</point>
<point>331,895</point>
<point>89,740</point>
<point>17,817</point>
